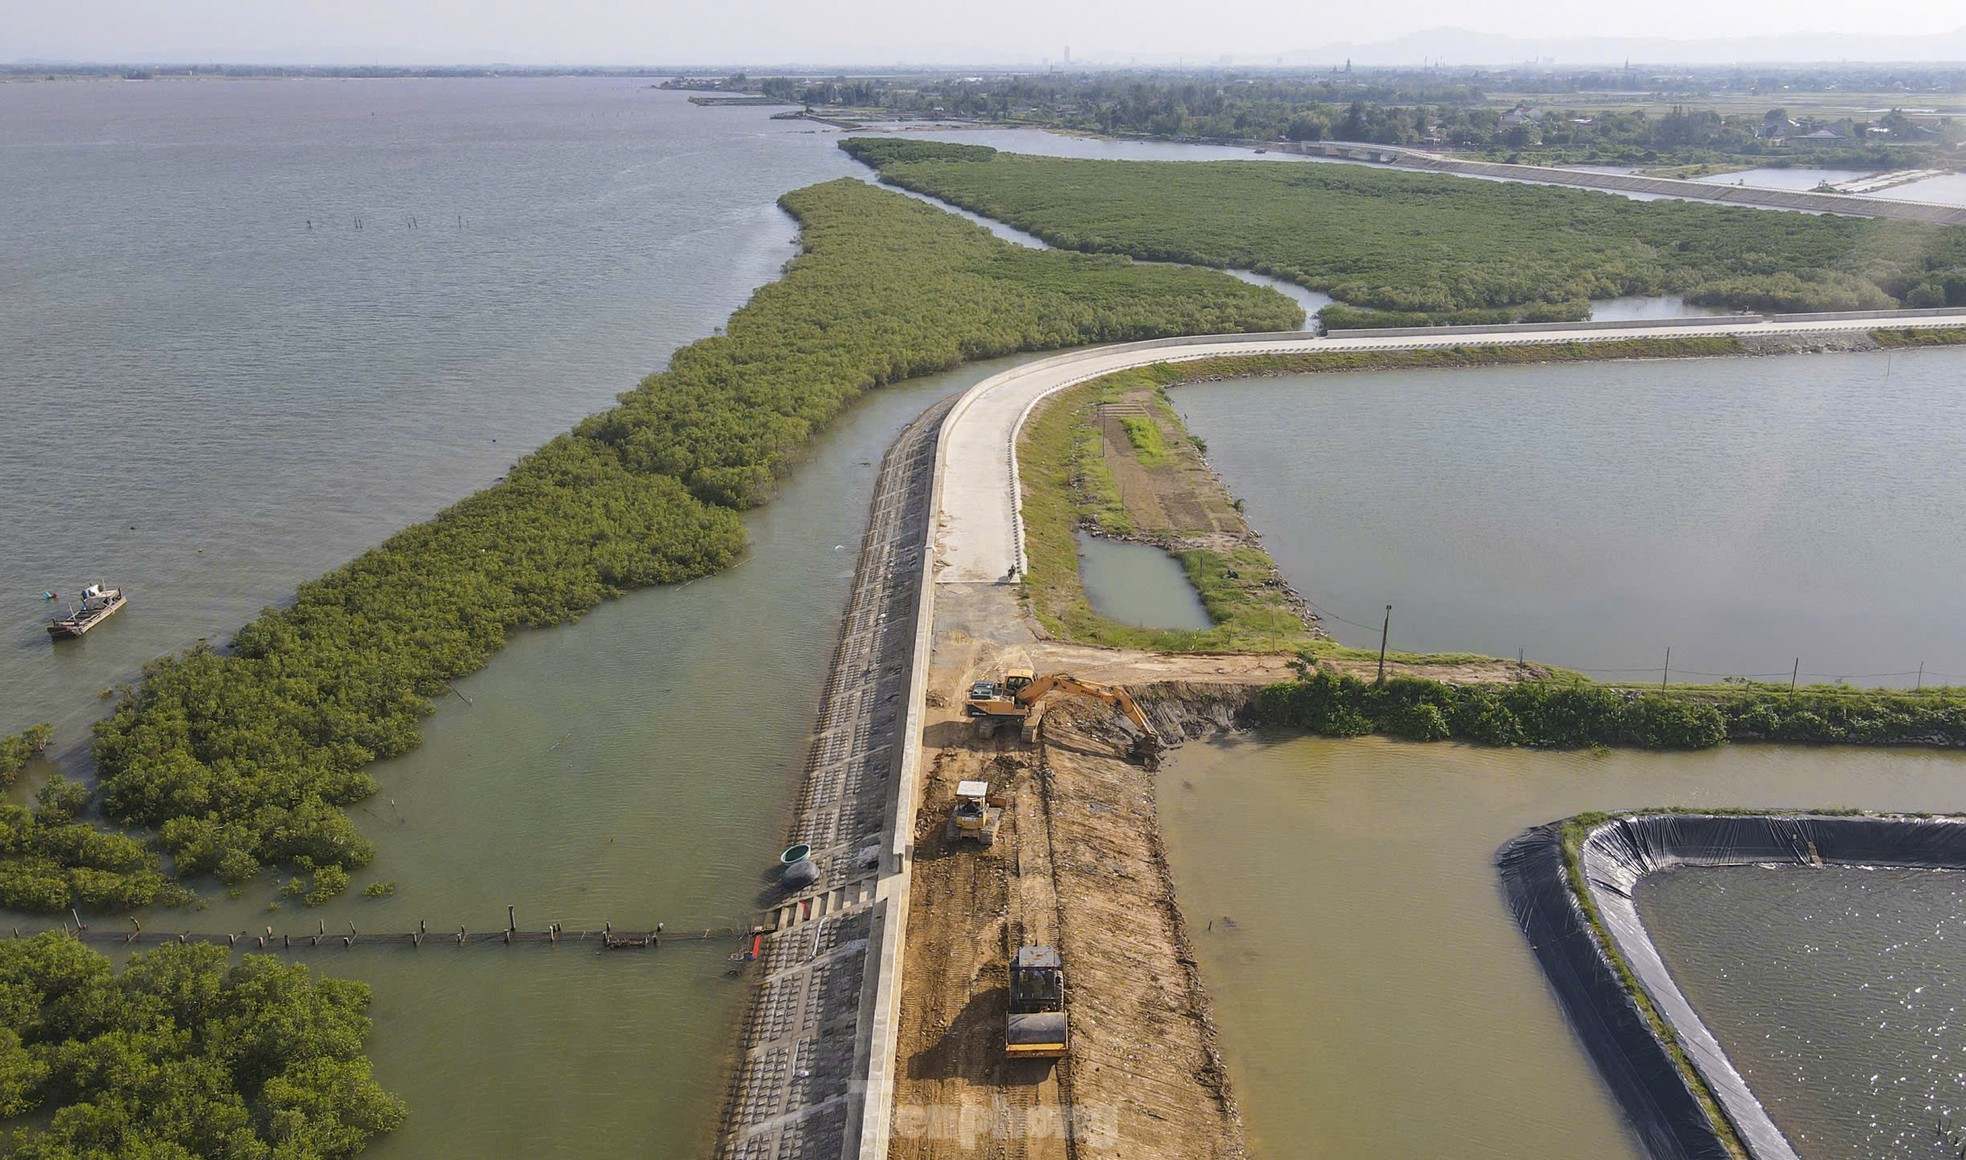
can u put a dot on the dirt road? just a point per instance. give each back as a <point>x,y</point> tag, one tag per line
<point>1077,865</point>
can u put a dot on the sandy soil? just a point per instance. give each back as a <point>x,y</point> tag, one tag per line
<point>1077,864</point>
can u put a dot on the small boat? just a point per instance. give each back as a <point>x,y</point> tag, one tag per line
<point>98,605</point>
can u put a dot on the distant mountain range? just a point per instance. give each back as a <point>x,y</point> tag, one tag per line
<point>1462,46</point>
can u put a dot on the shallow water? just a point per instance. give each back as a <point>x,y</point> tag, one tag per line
<point>1947,190</point>
<point>1139,584</point>
<point>1836,992</point>
<point>1743,512</point>
<point>1373,996</point>
<point>636,767</point>
<point>1802,179</point>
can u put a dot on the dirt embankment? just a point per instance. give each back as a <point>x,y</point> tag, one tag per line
<point>1077,864</point>
<point>1144,1040</point>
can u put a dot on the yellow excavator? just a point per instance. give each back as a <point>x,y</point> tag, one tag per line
<point>1016,698</point>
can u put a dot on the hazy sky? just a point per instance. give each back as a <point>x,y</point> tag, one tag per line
<point>861,31</point>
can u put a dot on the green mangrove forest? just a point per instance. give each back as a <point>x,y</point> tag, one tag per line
<point>244,757</point>
<point>1399,248</point>
<point>182,1054</point>
<point>1577,713</point>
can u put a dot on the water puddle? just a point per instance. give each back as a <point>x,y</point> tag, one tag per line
<point>1139,584</point>
<point>1798,178</point>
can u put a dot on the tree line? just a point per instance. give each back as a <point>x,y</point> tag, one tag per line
<point>1398,247</point>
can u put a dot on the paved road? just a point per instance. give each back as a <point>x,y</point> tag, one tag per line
<point>979,536</point>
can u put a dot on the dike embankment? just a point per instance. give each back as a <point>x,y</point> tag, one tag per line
<point>807,1046</point>
<point>1570,887</point>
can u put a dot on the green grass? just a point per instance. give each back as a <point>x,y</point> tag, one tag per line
<point>1149,447</point>
<point>1437,246</point>
<point>1920,336</point>
<point>1065,483</point>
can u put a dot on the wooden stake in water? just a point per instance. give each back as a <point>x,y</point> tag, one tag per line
<point>1384,631</point>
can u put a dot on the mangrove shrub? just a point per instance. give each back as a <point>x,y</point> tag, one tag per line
<point>1570,715</point>
<point>182,1055</point>
<point>247,757</point>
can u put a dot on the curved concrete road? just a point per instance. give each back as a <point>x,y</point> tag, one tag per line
<point>979,536</point>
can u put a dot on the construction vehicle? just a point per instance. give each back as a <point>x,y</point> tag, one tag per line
<point>1016,700</point>
<point>974,815</point>
<point>1037,1027</point>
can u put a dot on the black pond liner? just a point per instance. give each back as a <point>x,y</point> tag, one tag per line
<point>1615,855</point>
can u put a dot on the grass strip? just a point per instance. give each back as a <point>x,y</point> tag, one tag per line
<point>1920,336</point>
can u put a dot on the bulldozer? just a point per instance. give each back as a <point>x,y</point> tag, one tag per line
<point>975,816</point>
<point>1016,698</point>
<point>1037,1027</point>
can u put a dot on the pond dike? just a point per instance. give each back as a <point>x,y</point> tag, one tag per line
<point>1634,1060</point>
<point>807,1047</point>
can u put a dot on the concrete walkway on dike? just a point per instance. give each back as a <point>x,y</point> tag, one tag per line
<point>979,536</point>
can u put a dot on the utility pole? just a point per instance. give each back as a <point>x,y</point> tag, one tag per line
<point>1667,671</point>
<point>1796,672</point>
<point>1384,630</point>
<point>1921,678</point>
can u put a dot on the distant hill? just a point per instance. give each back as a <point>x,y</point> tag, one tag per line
<point>1462,46</point>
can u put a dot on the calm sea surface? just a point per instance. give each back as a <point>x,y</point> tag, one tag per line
<point>1837,993</point>
<point>214,383</point>
<point>1743,512</point>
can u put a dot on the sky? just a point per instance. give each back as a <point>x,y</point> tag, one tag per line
<point>760,32</point>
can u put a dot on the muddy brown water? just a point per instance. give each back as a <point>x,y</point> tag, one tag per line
<point>1374,998</point>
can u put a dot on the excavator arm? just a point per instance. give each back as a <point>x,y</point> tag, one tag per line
<point>1148,750</point>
